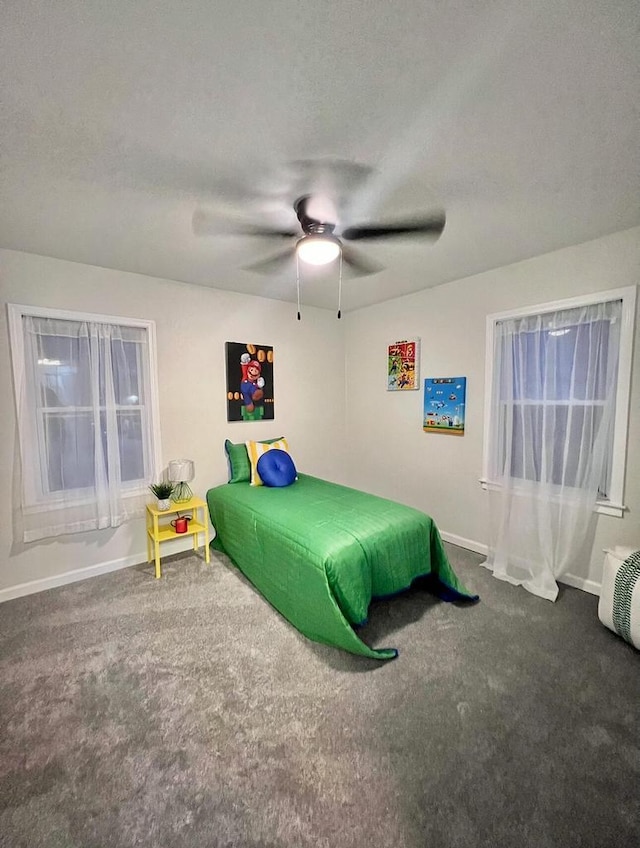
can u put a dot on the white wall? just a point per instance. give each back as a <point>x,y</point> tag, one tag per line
<point>387,450</point>
<point>373,440</point>
<point>192,324</point>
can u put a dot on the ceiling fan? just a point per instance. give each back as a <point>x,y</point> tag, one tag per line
<point>318,243</point>
<point>320,237</point>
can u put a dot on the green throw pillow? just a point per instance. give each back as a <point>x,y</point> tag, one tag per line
<point>239,465</point>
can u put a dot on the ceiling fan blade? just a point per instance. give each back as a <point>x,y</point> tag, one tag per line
<point>431,226</point>
<point>359,265</point>
<point>251,230</point>
<point>273,264</point>
<point>204,224</point>
<point>327,177</point>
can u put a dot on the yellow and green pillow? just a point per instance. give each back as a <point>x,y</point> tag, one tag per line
<point>239,465</point>
<point>256,449</point>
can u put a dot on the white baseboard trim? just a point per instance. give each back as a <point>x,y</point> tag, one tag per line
<point>589,586</point>
<point>461,542</point>
<point>44,583</point>
<point>76,574</point>
<point>33,586</point>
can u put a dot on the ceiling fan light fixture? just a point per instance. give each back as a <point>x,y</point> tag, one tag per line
<point>318,250</point>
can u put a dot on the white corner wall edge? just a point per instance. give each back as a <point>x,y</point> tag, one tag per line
<point>589,586</point>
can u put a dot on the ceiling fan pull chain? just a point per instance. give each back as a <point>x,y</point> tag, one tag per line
<point>298,282</point>
<point>340,288</point>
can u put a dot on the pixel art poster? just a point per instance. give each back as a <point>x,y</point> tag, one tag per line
<point>444,404</point>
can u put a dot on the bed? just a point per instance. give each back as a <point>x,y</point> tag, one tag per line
<point>320,552</point>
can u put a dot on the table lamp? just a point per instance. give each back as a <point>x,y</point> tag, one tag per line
<point>181,473</point>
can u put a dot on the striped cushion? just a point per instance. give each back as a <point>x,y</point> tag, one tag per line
<point>239,466</point>
<point>625,583</point>
<point>255,450</point>
<point>619,605</point>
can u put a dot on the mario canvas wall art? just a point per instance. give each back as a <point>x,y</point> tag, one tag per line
<point>249,382</point>
<point>403,366</point>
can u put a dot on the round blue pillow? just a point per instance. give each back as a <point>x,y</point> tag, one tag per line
<point>276,468</point>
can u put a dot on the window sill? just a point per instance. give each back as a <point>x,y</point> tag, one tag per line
<point>601,507</point>
<point>47,505</point>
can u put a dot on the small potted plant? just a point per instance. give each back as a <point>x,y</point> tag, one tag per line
<point>163,492</point>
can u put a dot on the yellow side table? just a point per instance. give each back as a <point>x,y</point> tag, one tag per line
<point>161,531</point>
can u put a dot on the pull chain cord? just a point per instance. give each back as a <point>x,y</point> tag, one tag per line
<point>339,286</point>
<point>298,281</point>
<point>340,289</point>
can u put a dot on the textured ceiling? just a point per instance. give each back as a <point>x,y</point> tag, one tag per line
<point>121,119</point>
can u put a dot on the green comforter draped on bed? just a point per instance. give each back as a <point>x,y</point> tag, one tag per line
<point>320,552</point>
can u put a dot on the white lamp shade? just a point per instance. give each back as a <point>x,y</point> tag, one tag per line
<point>181,471</point>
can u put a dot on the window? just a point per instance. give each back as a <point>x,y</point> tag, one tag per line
<point>557,393</point>
<point>87,418</point>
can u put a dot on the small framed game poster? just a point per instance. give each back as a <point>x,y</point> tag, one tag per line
<point>403,366</point>
<point>444,403</point>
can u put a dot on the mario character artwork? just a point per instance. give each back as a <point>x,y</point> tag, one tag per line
<point>249,382</point>
<point>402,365</point>
<point>251,389</point>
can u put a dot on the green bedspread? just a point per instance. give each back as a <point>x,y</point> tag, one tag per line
<point>320,552</point>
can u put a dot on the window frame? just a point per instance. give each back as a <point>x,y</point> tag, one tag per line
<point>43,499</point>
<point>614,504</point>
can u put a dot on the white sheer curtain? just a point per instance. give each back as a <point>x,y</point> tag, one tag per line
<point>552,413</point>
<point>84,425</point>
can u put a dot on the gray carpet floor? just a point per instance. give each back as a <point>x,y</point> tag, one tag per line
<point>187,712</point>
